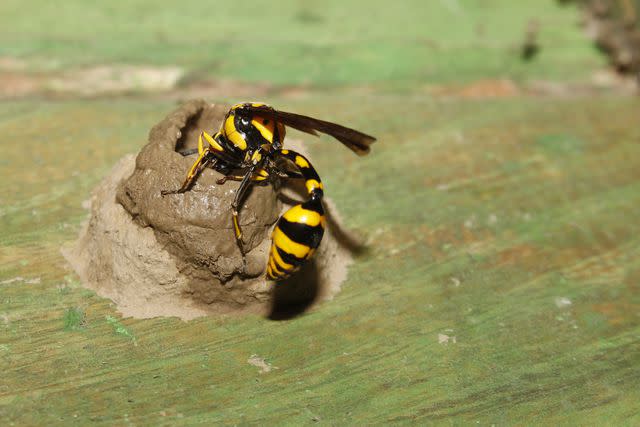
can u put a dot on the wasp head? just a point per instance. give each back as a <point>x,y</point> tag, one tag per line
<point>255,124</point>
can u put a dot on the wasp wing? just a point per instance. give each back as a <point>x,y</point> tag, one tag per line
<point>357,141</point>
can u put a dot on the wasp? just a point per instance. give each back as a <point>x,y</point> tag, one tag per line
<point>249,148</point>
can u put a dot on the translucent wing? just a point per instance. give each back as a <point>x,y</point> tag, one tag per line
<point>357,141</point>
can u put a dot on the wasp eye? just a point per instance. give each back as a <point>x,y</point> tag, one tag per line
<point>244,121</point>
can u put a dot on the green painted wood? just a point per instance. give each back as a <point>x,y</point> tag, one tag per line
<point>501,282</point>
<point>500,286</point>
<point>319,43</point>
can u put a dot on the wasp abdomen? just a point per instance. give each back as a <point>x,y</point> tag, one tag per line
<point>295,238</point>
<point>299,231</point>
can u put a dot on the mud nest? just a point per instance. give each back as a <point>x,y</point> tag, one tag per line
<point>176,255</point>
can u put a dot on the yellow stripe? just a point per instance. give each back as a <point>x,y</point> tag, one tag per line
<point>302,162</point>
<point>285,151</point>
<point>261,175</point>
<point>312,184</point>
<point>200,144</point>
<point>211,141</point>
<point>278,259</point>
<point>233,135</point>
<point>236,227</point>
<point>274,268</point>
<point>256,157</point>
<point>265,131</point>
<point>300,215</point>
<point>289,246</point>
<point>196,165</point>
<point>253,104</point>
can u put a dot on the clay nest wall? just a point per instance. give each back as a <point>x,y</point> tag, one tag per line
<point>176,255</point>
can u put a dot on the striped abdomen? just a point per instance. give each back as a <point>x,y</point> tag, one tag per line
<point>295,238</point>
<point>299,231</point>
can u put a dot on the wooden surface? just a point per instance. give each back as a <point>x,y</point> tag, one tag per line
<point>500,286</point>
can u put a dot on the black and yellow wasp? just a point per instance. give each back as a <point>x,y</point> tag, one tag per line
<point>250,143</point>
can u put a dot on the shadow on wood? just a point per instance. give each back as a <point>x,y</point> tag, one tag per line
<point>295,295</point>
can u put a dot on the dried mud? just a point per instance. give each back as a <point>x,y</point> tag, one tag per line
<point>176,255</point>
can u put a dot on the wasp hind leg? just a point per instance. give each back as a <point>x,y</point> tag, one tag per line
<point>259,177</point>
<point>247,180</point>
<point>289,174</point>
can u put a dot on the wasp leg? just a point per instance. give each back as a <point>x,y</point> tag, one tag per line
<point>200,143</point>
<point>201,146</point>
<point>259,177</point>
<point>229,178</point>
<point>289,174</point>
<point>242,189</point>
<point>200,163</point>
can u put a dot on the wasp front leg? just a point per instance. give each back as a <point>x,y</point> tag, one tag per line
<point>201,162</point>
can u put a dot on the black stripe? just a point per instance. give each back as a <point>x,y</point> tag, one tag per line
<point>314,205</point>
<point>289,258</point>
<point>302,233</point>
<point>230,153</point>
<point>282,268</point>
<point>309,173</point>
